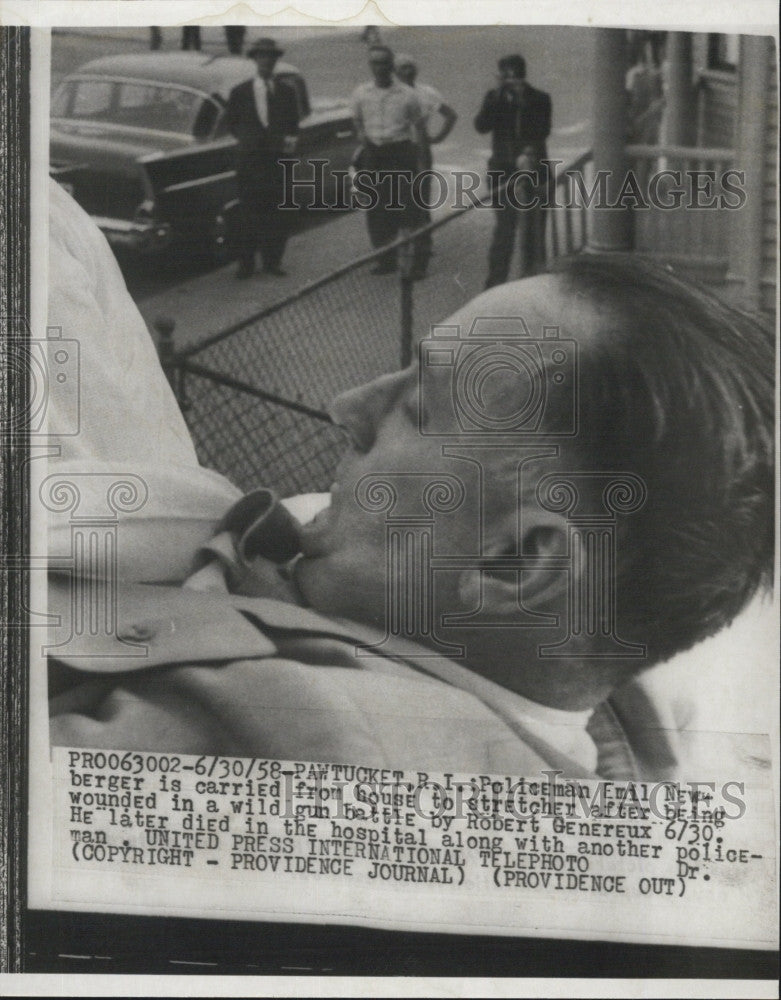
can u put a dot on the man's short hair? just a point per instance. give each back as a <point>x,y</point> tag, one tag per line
<point>516,63</point>
<point>383,50</point>
<point>402,59</point>
<point>678,388</point>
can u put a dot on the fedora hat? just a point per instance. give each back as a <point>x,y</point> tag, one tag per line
<point>264,47</point>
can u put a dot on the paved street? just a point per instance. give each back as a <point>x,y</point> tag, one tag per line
<point>460,62</point>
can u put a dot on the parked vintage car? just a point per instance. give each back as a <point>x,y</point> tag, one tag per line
<point>140,141</point>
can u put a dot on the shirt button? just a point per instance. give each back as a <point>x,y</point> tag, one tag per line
<point>137,632</point>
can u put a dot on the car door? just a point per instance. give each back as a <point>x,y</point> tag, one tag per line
<point>194,189</point>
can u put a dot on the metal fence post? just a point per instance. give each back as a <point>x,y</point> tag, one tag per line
<point>165,327</point>
<point>174,372</point>
<point>406,255</point>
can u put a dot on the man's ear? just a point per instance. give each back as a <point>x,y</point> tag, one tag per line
<point>543,585</point>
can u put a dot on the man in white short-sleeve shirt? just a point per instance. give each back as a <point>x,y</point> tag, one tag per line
<point>388,122</point>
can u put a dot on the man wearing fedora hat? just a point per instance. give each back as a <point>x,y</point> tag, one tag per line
<point>262,114</point>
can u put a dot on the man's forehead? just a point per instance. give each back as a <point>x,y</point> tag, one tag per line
<point>535,303</point>
<point>535,309</point>
<point>505,363</point>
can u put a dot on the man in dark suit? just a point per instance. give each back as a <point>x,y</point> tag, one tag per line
<point>519,117</point>
<point>262,114</point>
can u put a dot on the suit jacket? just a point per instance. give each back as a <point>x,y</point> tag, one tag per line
<point>248,676</point>
<point>260,146</point>
<point>515,124</point>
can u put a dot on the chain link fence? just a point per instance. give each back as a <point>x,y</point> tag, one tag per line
<point>255,395</point>
<point>257,441</point>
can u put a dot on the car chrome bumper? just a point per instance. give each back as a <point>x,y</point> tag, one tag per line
<point>141,236</point>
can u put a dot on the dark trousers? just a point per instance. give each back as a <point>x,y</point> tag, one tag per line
<point>393,210</point>
<point>234,38</point>
<point>263,226</point>
<point>421,216</point>
<point>191,37</point>
<point>511,222</point>
<point>262,229</point>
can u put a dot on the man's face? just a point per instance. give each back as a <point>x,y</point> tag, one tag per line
<point>508,77</point>
<point>381,65</point>
<point>407,73</point>
<point>344,570</point>
<point>265,61</point>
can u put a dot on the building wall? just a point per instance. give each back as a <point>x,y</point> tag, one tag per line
<point>718,110</point>
<point>738,111</point>
<point>717,95</point>
<point>770,197</point>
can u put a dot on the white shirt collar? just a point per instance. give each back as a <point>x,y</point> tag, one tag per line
<point>562,731</point>
<point>260,90</point>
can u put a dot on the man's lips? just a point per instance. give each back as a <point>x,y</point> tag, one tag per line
<point>313,536</point>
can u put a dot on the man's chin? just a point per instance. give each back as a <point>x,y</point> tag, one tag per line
<point>327,584</point>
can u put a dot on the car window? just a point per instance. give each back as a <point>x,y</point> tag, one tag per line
<point>167,109</point>
<point>91,99</point>
<point>61,100</point>
<point>141,105</point>
<point>205,119</point>
<point>136,95</point>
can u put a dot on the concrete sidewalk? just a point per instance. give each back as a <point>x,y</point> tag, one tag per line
<point>206,304</point>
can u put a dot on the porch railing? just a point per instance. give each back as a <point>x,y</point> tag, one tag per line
<point>689,213</point>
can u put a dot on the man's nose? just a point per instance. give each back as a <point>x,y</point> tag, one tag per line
<point>361,410</point>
